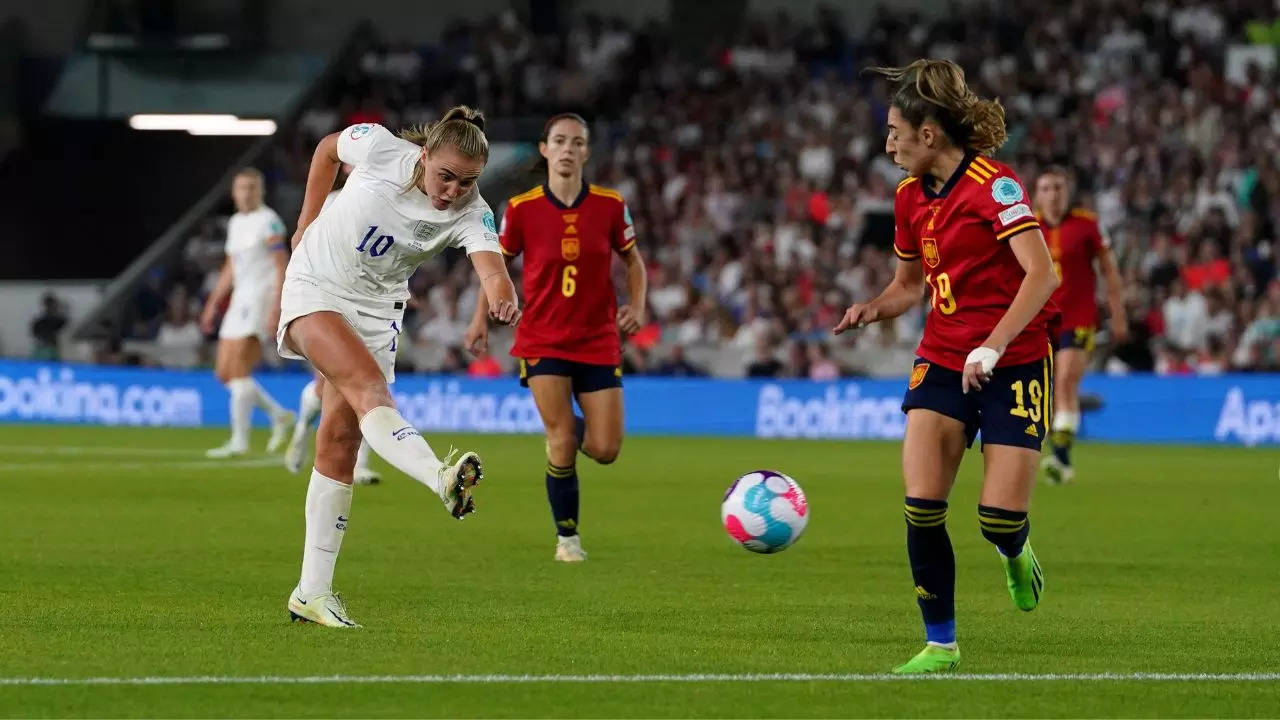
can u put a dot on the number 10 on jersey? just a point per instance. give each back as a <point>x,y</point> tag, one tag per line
<point>378,247</point>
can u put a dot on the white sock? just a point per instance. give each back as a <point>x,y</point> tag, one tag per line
<point>308,405</point>
<point>328,511</point>
<point>399,443</point>
<point>265,401</point>
<point>1067,420</point>
<point>241,410</point>
<point>362,456</point>
<point>946,646</point>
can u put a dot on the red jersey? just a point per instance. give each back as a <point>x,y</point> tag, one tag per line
<point>961,232</point>
<point>1074,244</point>
<point>570,303</point>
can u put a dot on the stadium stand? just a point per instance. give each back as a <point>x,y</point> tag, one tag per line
<point>764,201</point>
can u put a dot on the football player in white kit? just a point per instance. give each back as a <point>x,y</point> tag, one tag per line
<point>309,401</point>
<point>407,200</point>
<point>252,276</point>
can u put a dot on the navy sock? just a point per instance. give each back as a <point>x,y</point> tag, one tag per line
<point>1061,440</point>
<point>933,567</point>
<point>562,494</point>
<point>1006,529</point>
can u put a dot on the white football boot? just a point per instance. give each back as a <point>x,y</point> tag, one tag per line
<point>459,473</point>
<point>226,450</point>
<point>1055,472</point>
<point>325,609</point>
<point>569,549</point>
<point>281,429</point>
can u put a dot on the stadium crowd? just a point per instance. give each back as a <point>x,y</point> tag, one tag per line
<point>763,199</point>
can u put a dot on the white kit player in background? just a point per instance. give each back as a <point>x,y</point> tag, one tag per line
<point>406,201</point>
<point>309,400</point>
<point>252,276</point>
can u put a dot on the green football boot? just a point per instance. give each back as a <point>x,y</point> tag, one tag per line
<point>1026,579</point>
<point>931,659</point>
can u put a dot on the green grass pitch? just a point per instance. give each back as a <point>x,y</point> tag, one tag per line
<point>124,554</point>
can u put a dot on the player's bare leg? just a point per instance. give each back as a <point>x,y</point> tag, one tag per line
<point>234,363</point>
<point>602,412</point>
<point>349,368</point>
<point>1008,477</point>
<point>931,454</point>
<point>553,395</point>
<point>1069,367</point>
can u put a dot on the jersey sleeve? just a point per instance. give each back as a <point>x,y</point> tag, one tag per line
<point>476,232</point>
<point>905,244</point>
<point>365,144</point>
<point>1007,207</point>
<point>624,232</point>
<point>272,230</point>
<point>510,237</point>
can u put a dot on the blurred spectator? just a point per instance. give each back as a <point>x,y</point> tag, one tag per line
<point>485,366</point>
<point>179,341</point>
<point>677,365</point>
<point>764,364</point>
<point>46,327</point>
<point>1186,317</point>
<point>821,366</point>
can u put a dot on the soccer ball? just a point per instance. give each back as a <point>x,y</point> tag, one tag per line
<point>764,511</point>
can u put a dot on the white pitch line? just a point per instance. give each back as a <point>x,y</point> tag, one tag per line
<point>663,678</point>
<point>154,464</point>
<point>92,450</point>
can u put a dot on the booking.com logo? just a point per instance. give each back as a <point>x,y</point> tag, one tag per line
<point>834,414</point>
<point>64,399</point>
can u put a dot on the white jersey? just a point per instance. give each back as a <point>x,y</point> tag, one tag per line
<point>252,237</point>
<point>366,243</point>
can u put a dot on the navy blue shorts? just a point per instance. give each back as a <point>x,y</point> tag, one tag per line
<point>1012,409</point>
<point>584,376</point>
<point>1080,338</point>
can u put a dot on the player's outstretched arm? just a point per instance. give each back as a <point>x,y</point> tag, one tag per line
<point>632,316</point>
<point>496,287</point>
<point>324,170</point>
<point>903,292</point>
<point>476,338</point>
<point>1115,296</point>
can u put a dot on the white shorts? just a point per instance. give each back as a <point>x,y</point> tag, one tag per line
<point>380,333</point>
<point>246,317</point>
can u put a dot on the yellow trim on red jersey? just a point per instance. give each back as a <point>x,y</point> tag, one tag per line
<point>628,246</point>
<point>1086,214</point>
<point>904,183</point>
<point>507,252</point>
<point>977,167</point>
<point>975,176</point>
<point>522,197</point>
<point>985,165</point>
<point>905,255</point>
<point>1017,229</point>
<point>605,192</point>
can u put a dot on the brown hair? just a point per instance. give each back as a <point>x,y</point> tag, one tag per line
<point>461,128</point>
<point>936,89</point>
<point>540,165</point>
<point>253,172</point>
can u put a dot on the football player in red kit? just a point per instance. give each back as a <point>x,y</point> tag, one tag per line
<point>965,230</point>
<point>1076,243</point>
<point>568,341</point>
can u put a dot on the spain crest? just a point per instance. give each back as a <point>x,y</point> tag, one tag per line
<point>569,248</point>
<point>917,375</point>
<point>931,257</point>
